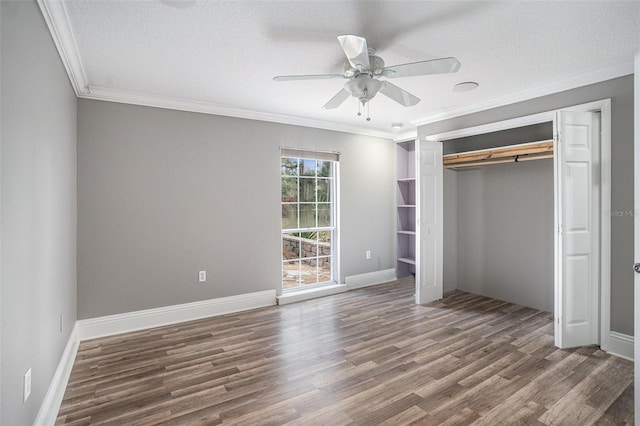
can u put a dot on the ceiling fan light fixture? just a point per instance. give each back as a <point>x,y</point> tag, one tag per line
<point>465,86</point>
<point>363,89</point>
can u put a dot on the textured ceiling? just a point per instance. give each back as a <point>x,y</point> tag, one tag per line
<point>225,53</point>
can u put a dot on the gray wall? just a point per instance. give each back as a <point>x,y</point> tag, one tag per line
<point>163,194</point>
<point>505,232</point>
<point>38,186</point>
<point>620,91</point>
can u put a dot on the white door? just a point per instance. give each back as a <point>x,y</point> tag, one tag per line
<point>430,228</point>
<point>636,223</point>
<point>577,223</point>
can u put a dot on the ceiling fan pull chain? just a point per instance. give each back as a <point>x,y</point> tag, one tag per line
<point>368,118</point>
<point>359,113</point>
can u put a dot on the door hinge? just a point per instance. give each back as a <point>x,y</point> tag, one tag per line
<point>558,320</point>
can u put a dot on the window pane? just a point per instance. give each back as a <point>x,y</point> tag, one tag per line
<point>290,274</point>
<point>307,215</point>
<point>309,270</point>
<point>309,244</point>
<point>324,269</point>
<point>324,190</point>
<point>324,243</point>
<point>290,246</point>
<point>289,166</point>
<point>324,214</point>
<point>307,190</point>
<point>324,169</point>
<point>307,167</point>
<point>289,216</point>
<point>289,189</point>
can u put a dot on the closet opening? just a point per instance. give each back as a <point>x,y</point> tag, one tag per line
<point>525,218</point>
<point>499,215</point>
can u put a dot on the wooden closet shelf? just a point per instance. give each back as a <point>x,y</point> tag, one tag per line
<point>505,154</point>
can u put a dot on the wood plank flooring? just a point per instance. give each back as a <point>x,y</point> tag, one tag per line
<point>365,357</point>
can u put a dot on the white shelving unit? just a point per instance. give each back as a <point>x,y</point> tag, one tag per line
<point>406,226</point>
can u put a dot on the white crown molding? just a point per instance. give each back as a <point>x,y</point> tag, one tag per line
<point>128,97</point>
<point>55,15</point>
<point>157,317</point>
<point>573,82</point>
<point>55,392</point>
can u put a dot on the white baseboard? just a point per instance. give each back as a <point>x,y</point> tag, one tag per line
<point>621,345</point>
<point>139,320</point>
<point>370,278</point>
<point>53,398</point>
<point>299,296</point>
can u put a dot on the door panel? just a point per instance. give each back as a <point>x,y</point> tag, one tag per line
<point>577,270</point>
<point>429,284</point>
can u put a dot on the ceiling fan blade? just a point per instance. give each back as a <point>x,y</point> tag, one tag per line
<point>435,66</point>
<point>397,94</point>
<point>356,50</point>
<point>307,77</point>
<point>337,100</point>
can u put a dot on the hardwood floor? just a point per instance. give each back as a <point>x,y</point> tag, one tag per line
<point>364,357</point>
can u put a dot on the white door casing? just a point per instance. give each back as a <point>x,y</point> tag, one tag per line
<point>430,222</point>
<point>636,238</point>
<point>577,173</point>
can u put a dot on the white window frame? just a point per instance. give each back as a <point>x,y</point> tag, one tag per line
<point>333,228</point>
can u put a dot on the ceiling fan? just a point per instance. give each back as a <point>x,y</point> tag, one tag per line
<point>364,70</point>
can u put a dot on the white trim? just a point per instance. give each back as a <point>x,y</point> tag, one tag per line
<point>496,126</point>
<point>407,135</point>
<point>370,278</point>
<point>138,320</point>
<point>605,226</point>
<point>595,76</point>
<point>621,345</point>
<point>55,15</point>
<point>636,236</point>
<point>136,98</point>
<point>313,293</point>
<point>53,398</point>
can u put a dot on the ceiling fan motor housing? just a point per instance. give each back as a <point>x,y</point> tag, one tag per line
<point>376,68</point>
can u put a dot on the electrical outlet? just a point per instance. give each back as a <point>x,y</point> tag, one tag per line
<point>202,276</point>
<point>367,254</point>
<point>27,385</point>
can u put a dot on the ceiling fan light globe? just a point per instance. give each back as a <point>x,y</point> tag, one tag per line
<point>363,89</point>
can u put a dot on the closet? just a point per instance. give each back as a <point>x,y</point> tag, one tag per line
<point>499,215</point>
<point>523,217</point>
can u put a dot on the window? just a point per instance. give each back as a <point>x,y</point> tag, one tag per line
<point>308,198</point>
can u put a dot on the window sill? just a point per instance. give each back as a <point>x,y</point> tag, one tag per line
<point>298,296</point>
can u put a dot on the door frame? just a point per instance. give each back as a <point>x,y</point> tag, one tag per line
<point>636,254</point>
<point>604,107</point>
